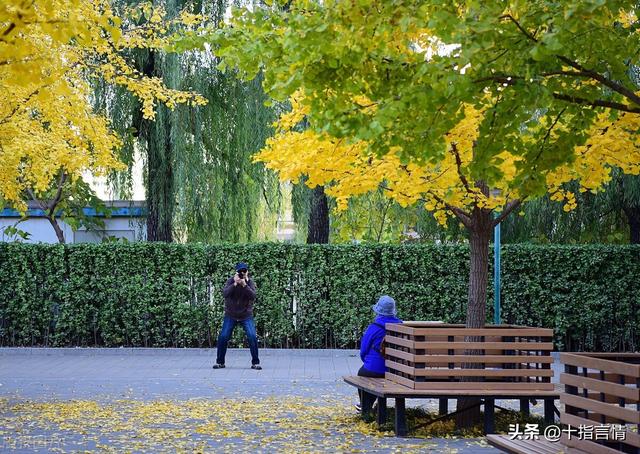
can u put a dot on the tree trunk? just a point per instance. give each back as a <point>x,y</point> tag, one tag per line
<point>633,217</point>
<point>478,277</point>
<point>318,229</point>
<point>57,229</point>
<point>479,237</point>
<point>160,185</point>
<point>160,189</point>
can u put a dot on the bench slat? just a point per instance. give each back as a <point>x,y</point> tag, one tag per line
<point>606,387</point>
<point>487,359</point>
<point>389,388</point>
<point>632,416</point>
<point>587,446</point>
<point>631,438</point>
<point>485,386</point>
<point>443,330</point>
<point>607,365</point>
<point>481,386</point>
<point>529,346</point>
<point>443,372</point>
<point>504,442</point>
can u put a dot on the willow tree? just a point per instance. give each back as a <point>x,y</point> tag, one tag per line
<point>610,216</point>
<point>199,179</point>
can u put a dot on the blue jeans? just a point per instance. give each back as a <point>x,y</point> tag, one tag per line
<point>227,330</point>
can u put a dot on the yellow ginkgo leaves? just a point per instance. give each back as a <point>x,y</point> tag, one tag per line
<point>348,169</point>
<point>49,51</point>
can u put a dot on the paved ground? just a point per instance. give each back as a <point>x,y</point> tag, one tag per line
<point>37,383</point>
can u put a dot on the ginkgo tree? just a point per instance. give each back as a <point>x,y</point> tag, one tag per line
<point>469,108</point>
<point>49,52</point>
<point>449,187</point>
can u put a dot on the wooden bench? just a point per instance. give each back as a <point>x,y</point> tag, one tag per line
<point>600,389</point>
<point>506,444</point>
<point>385,389</point>
<point>444,361</point>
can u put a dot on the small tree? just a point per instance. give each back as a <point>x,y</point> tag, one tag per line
<point>67,200</point>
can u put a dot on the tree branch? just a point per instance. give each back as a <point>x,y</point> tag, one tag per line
<point>463,178</point>
<point>462,215</point>
<point>548,134</point>
<point>56,200</point>
<point>500,78</point>
<point>520,27</point>
<point>597,103</point>
<point>583,72</point>
<point>508,209</point>
<point>19,105</point>
<point>50,207</point>
<point>618,88</point>
<point>500,55</point>
<point>35,199</point>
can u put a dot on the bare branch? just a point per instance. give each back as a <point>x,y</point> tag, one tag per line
<point>508,209</point>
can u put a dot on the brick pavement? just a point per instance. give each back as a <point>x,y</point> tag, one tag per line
<point>64,374</point>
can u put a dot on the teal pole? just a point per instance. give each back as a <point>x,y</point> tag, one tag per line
<point>496,274</point>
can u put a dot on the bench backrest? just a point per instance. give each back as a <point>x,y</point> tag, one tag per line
<point>445,356</point>
<point>602,389</point>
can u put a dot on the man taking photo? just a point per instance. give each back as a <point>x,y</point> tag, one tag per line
<point>239,295</point>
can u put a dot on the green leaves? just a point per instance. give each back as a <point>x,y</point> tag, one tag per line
<point>316,296</point>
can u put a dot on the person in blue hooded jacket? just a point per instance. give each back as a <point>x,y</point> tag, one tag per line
<point>370,348</point>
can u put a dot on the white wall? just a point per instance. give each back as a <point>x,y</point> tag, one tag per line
<point>134,229</point>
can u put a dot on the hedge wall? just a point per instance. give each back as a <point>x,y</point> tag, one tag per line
<point>152,294</point>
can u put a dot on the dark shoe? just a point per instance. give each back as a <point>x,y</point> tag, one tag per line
<point>256,366</point>
<point>358,408</point>
<point>218,366</point>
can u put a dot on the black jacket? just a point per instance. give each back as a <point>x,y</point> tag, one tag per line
<point>238,300</point>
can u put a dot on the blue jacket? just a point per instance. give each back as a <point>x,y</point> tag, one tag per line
<point>370,344</point>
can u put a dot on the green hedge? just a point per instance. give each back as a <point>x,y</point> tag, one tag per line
<point>311,296</point>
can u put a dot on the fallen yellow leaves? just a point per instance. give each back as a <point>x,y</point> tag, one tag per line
<point>282,424</point>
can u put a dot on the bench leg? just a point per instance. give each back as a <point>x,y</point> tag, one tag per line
<point>382,410</point>
<point>524,406</point>
<point>489,416</point>
<point>443,407</point>
<point>366,401</point>
<point>549,408</point>
<point>401,418</point>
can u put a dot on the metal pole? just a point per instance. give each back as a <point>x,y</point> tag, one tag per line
<point>496,274</point>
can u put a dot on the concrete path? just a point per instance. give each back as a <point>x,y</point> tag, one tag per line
<point>56,380</point>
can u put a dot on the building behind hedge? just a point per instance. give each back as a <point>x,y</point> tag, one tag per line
<point>127,221</point>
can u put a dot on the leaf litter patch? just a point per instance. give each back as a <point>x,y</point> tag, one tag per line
<point>283,424</point>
